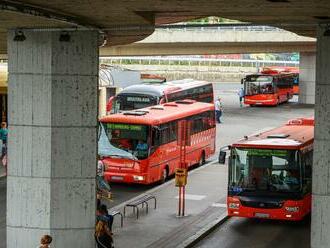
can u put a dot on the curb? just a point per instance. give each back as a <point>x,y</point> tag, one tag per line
<point>203,232</point>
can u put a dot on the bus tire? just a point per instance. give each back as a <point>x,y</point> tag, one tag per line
<point>165,174</point>
<point>202,159</point>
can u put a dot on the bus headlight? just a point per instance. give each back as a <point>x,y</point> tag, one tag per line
<point>138,178</point>
<point>233,205</point>
<point>292,209</point>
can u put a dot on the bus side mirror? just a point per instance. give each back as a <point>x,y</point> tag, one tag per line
<point>242,81</point>
<point>222,157</point>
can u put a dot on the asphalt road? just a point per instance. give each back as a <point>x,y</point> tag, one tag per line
<point>254,233</point>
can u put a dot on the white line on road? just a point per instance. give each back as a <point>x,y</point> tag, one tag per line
<point>219,205</point>
<point>193,197</point>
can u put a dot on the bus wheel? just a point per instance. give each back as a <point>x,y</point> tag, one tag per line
<point>164,174</point>
<point>202,159</point>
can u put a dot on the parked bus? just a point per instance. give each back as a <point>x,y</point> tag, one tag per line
<point>268,88</point>
<point>270,174</point>
<point>152,78</point>
<point>149,94</point>
<point>140,146</point>
<point>285,69</point>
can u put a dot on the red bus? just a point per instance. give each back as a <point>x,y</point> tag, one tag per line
<point>285,69</point>
<point>153,93</point>
<point>140,146</point>
<point>270,174</point>
<point>268,88</point>
<point>152,78</point>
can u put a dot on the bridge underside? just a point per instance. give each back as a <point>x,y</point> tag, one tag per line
<point>193,48</point>
<point>128,21</point>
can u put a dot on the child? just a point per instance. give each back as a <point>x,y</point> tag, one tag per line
<point>45,241</point>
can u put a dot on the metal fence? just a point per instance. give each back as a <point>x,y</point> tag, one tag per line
<point>224,28</point>
<point>194,61</point>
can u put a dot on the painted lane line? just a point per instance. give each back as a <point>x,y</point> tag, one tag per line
<point>121,205</point>
<point>193,197</point>
<point>219,205</point>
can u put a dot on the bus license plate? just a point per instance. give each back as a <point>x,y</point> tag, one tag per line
<point>117,178</point>
<point>261,215</point>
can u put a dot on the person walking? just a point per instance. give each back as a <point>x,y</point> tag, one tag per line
<point>240,94</point>
<point>103,214</point>
<point>3,137</point>
<point>103,235</point>
<point>102,186</point>
<point>218,110</point>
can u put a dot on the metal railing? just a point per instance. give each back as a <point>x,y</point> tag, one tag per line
<point>224,28</point>
<point>194,61</point>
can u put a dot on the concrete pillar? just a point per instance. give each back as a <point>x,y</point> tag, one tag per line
<point>52,138</point>
<point>320,234</point>
<point>307,78</point>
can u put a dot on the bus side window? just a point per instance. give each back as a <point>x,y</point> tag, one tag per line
<point>307,166</point>
<point>155,141</point>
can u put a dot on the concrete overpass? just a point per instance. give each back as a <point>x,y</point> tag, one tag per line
<point>53,76</point>
<point>222,39</point>
<point>214,40</point>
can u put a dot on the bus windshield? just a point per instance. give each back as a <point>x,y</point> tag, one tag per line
<point>129,102</point>
<point>264,170</point>
<point>259,84</point>
<point>123,140</point>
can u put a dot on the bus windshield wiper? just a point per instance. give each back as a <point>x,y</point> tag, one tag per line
<point>122,156</point>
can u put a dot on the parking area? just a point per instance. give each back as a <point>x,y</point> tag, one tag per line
<point>206,185</point>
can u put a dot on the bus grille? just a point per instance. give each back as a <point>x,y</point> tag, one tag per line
<point>262,204</point>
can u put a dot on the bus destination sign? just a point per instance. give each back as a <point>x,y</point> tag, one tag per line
<point>124,126</point>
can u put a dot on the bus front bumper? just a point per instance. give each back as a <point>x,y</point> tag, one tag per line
<point>119,177</point>
<point>293,211</point>
<point>269,102</point>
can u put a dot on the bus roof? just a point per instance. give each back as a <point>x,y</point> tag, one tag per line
<point>279,69</point>
<point>158,89</point>
<point>295,134</point>
<point>283,74</point>
<point>156,115</point>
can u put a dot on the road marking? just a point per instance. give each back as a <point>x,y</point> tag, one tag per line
<point>219,205</point>
<point>193,197</point>
<point>150,191</point>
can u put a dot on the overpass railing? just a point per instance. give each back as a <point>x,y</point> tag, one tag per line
<point>224,28</point>
<point>195,61</point>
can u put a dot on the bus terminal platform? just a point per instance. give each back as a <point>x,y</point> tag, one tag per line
<point>206,193</point>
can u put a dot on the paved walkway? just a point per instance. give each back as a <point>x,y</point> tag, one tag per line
<point>2,170</point>
<point>205,202</point>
